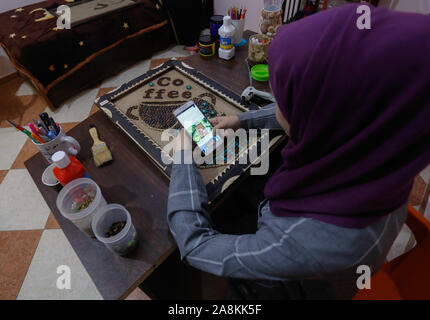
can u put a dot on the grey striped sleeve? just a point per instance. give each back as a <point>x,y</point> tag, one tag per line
<point>263,118</point>
<point>281,249</point>
<point>270,254</point>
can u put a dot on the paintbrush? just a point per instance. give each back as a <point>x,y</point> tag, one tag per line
<point>28,133</point>
<point>101,153</point>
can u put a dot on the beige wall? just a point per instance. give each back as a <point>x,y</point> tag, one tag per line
<point>253,7</point>
<point>420,6</point>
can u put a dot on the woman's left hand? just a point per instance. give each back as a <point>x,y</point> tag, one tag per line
<point>182,141</point>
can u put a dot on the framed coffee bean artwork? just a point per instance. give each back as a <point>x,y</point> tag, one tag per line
<point>143,109</point>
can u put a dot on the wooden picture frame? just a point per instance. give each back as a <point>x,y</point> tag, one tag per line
<point>119,105</point>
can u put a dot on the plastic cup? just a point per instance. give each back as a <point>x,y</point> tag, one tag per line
<point>238,33</point>
<point>74,203</point>
<point>49,179</point>
<point>123,242</point>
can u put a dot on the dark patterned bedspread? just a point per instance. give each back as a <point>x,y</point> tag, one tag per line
<point>30,36</point>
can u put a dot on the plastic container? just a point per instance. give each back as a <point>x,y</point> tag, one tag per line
<point>226,54</point>
<point>260,72</point>
<point>238,34</point>
<point>226,34</point>
<point>49,179</point>
<point>79,201</point>
<point>215,23</point>
<point>123,242</point>
<point>258,48</point>
<point>273,5</point>
<point>271,17</point>
<point>206,46</point>
<point>67,168</point>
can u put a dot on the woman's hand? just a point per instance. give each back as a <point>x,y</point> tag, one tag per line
<point>226,122</point>
<point>182,141</point>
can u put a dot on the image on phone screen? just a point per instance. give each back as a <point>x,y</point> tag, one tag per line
<point>197,126</point>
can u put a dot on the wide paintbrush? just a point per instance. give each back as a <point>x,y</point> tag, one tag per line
<point>101,153</point>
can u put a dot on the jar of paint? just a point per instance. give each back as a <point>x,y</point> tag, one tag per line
<point>206,46</point>
<point>215,23</point>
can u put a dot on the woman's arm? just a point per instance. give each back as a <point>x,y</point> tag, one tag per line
<point>270,254</point>
<point>264,118</point>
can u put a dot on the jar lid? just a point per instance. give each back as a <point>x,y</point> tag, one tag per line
<point>205,39</point>
<point>60,159</point>
<point>218,19</point>
<point>260,72</point>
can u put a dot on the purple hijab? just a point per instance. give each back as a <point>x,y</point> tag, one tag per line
<point>358,103</point>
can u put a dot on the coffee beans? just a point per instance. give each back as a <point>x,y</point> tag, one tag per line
<point>82,203</point>
<point>115,228</point>
<point>158,116</point>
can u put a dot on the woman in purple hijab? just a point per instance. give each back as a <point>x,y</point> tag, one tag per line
<point>356,106</point>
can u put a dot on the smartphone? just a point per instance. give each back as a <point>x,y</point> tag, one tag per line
<point>198,127</point>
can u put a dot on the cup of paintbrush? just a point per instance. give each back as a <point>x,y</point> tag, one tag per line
<point>36,139</point>
<point>48,146</point>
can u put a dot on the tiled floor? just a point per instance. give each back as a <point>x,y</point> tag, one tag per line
<point>32,245</point>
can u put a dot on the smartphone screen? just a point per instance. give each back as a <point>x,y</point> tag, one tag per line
<point>197,126</point>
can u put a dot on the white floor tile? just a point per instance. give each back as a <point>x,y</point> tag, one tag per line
<point>26,89</point>
<point>76,109</point>
<point>11,142</point>
<point>172,52</point>
<point>22,207</point>
<point>425,174</point>
<point>127,75</point>
<point>41,280</point>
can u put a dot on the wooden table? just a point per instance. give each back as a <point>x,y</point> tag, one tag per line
<point>232,74</point>
<point>135,182</point>
<point>131,180</point>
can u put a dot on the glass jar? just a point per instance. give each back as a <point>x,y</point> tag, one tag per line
<point>271,17</point>
<point>257,48</point>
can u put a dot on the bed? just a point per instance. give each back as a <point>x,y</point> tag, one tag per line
<point>62,62</point>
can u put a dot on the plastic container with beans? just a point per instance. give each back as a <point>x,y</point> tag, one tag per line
<point>270,22</point>
<point>258,47</point>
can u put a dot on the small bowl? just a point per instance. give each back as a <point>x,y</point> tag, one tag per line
<point>49,179</point>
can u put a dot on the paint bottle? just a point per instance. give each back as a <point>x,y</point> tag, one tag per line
<point>206,46</point>
<point>226,33</point>
<point>215,23</point>
<point>67,168</point>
